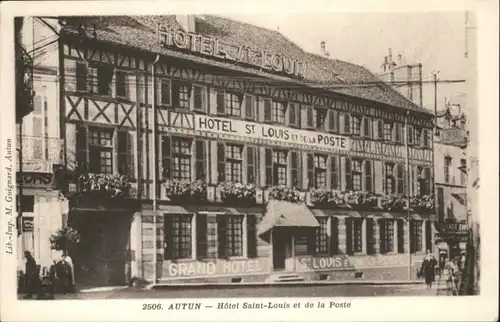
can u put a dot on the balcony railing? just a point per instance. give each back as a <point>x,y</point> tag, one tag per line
<point>41,149</point>
<point>453,136</point>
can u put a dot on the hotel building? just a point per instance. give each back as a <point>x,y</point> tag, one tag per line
<point>271,163</point>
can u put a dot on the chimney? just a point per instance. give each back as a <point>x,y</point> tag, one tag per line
<point>390,57</point>
<point>187,22</point>
<point>400,59</point>
<point>323,46</point>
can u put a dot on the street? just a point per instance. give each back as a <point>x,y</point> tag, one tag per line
<point>278,291</point>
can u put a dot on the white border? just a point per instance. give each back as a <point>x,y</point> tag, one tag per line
<point>478,308</point>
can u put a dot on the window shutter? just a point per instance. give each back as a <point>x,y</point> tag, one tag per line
<point>310,117</point>
<point>269,167</point>
<point>382,237</point>
<point>212,240</point>
<point>130,155</point>
<point>267,110</point>
<point>368,176</point>
<point>221,232</point>
<point>166,154</point>
<point>349,234</point>
<point>368,127</point>
<point>427,176</point>
<point>347,123</point>
<point>169,236</point>
<point>311,243</point>
<point>221,163</point>
<point>220,103</point>
<point>348,174</point>
<point>334,235</point>
<point>294,167</point>
<point>375,129</point>
<point>251,164</point>
<point>81,77</point>
<point>400,178</point>
<point>310,170</point>
<point>411,136</point>
<point>92,82</point>
<point>122,152</point>
<point>249,107</point>
<point>334,172</point>
<point>252,236</point>
<point>292,114</point>
<point>81,147</point>
<point>200,151</point>
<point>201,236</point>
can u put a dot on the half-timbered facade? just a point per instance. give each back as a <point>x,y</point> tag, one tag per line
<point>278,165</point>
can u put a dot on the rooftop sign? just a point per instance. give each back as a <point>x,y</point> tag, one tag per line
<point>213,47</point>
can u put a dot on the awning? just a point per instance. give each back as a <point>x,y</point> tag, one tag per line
<point>286,214</point>
<point>461,197</point>
<point>387,215</point>
<point>416,217</point>
<point>336,212</point>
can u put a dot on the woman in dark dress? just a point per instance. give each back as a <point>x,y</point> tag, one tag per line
<point>428,269</point>
<point>31,275</point>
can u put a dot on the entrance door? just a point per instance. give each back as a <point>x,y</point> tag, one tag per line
<point>282,244</point>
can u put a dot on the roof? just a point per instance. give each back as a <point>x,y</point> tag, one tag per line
<point>140,32</point>
<point>286,214</point>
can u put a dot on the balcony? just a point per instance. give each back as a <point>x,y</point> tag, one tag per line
<point>40,154</point>
<point>454,136</point>
<point>24,83</point>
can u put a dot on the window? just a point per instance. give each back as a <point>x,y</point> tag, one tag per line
<point>279,167</point>
<point>463,172</point>
<point>322,236</point>
<point>417,132</point>
<point>356,124</point>
<point>357,233</point>
<point>368,176</point>
<point>104,79</point>
<point>347,123</point>
<point>389,182</point>
<point>181,94</point>
<point>416,235</point>
<point>201,166</point>
<point>199,94</point>
<point>356,175</point>
<point>233,104</point>
<point>401,235</point>
<point>206,236</point>
<point>121,84</point>
<point>400,181</point>
<point>251,164</point>
<point>230,162</point>
<point>386,236</point>
<point>178,236</point>
<point>440,204</point>
<point>367,127</point>
<point>419,181</point>
<point>410,134</point>
<point>278,112</point>
<point>387,131</point>
<point>333,121</point>
<point>293,114</point>
<point>320,116</point>
<point>81,77</point>
<point>398,132</point>
<point>165,91</point>
<point>447,169</point>
<point>125,156</point>
<point>317,168</point>
<point>334,173</point>
<point>27,203</point>
<point>250,107</point>
<point>378,129</point>
<point>181,159</point>
<point>424,182</point>
<point>427,138</point>
<point>101,150</point>
<point>295,169</point>
<point>230,235</point>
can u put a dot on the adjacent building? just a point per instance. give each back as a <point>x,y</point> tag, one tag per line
<point>270,162</point>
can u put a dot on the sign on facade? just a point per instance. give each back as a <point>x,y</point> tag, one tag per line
<point>278,134</point>
<point>217,267</point>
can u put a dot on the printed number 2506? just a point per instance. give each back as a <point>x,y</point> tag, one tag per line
<point>151,307</point>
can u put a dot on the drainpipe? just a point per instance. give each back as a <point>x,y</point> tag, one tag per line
<point>408,192</point>
<point>155,170</point>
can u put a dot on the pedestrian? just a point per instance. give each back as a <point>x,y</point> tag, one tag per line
<point>61,276</point>
<point>31,276</point>
<point>428,269</point>
<point>69,272</point>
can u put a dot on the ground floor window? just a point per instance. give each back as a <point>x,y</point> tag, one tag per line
<point>322,236</point>
<point>416,236</point>
<point>401,236</point>
<point>178,236</point>
<point>230,235</point>
<point>386,236</point>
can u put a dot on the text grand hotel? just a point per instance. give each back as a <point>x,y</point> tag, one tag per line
<point>233,113</point>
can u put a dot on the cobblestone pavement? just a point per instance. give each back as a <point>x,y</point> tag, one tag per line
<point>281,291</point>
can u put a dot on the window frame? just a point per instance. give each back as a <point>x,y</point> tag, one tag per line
<point>184,233</point>
<point>176,93</point>
<point>229,159</point>
<point>181,156</point>
<point>99,147</point>
<point>322,247</point>
<point>357,235</point>
<point>357,174</point>
<point>276,107</point>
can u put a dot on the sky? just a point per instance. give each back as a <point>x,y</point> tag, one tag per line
<point>434,39</point>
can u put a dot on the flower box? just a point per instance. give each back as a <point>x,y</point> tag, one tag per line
<point>323,198</point>
<point>103,185</point>
<point>185,191</point>
<point>422,204</point>
<point>285,193</point>
<point>394,203</point>
<point>235,193</point>
<point>362,200</point>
